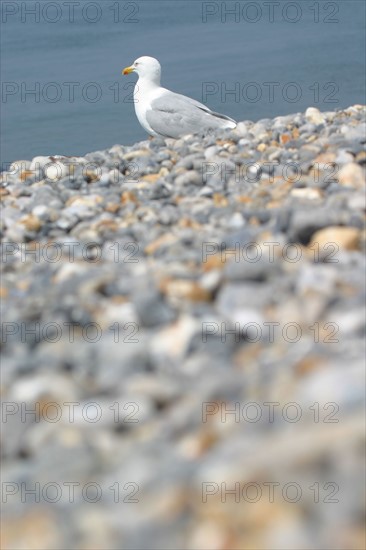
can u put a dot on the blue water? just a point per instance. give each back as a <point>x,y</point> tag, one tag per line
<point>274,62</point>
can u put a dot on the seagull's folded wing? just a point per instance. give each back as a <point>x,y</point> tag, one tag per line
<point>173,115</point>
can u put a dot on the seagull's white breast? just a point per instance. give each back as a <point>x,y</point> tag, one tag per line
<point>143,96</point>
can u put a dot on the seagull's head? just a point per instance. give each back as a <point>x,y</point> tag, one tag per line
<point>145,67</point>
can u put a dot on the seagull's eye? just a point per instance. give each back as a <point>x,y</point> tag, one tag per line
<point>136,64</point>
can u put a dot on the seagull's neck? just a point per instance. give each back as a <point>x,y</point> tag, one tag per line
<point>147,83</point>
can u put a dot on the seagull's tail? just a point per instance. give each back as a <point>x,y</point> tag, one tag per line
<point>231,123</point>
<point>228,122</point>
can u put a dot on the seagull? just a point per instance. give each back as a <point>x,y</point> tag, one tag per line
<point>167,114</point>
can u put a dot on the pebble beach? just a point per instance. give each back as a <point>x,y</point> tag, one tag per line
<point>183,341</point>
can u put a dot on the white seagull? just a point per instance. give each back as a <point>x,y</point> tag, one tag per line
<point>167,114</point>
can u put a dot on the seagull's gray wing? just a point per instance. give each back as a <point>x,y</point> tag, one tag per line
<point>174,115</point>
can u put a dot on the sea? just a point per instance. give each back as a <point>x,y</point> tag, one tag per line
<point>62,91</point>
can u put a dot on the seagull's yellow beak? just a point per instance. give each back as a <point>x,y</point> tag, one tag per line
<point>128,70</point>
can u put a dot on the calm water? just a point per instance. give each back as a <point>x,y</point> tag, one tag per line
<point>261,61</point>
